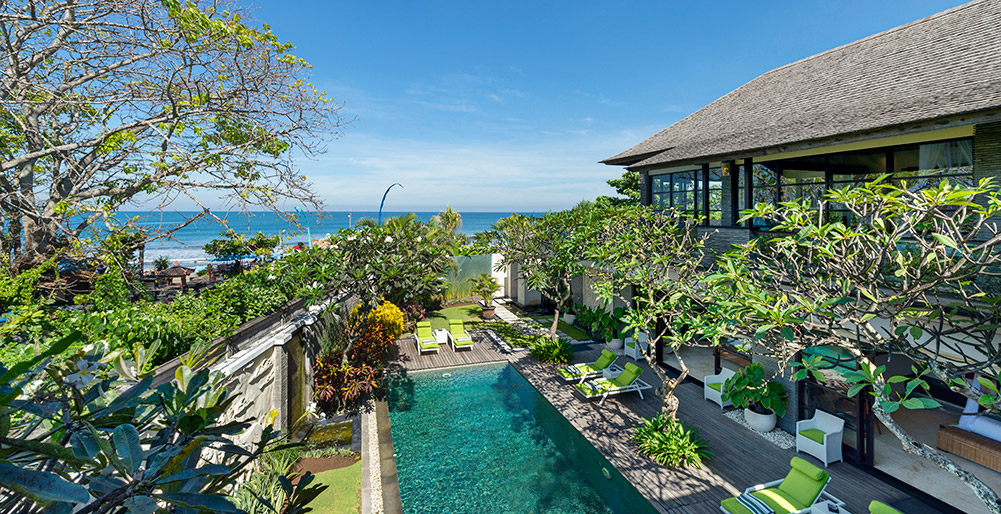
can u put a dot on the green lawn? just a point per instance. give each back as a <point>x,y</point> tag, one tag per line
<point>439,318</point>
<point>343,493</point>
<point>570,330</point>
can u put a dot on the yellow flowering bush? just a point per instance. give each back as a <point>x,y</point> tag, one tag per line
<point>387,316</point>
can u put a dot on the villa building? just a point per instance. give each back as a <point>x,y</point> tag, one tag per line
<point>920,102</point>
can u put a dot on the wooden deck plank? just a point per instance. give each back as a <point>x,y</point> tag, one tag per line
<point>742,458</point>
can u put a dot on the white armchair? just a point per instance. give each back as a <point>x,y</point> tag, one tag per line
<point>635,346</point>
<point>821,436</point>
<point>713,387</point>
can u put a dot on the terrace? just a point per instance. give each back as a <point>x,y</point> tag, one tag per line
<point>742,458</point>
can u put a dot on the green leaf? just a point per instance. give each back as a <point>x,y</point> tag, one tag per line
<point>140,505</point>
<point>788,333</point>
<point>126,439</point>
<point>989,384</point>
<point>762,330</point>
<point>916,332</point>
<point>206,470</point>
<point>945,240</point>
<point>202,502</point>
<point>47,449</point>
<point>895,379</point>
<point>889,406</point>
<point>854,390</point>
<point>55,349</point>
<point>987,399</point>
<point>41,485</point>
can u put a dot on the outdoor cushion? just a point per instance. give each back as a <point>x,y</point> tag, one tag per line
<point>628,375</point>
<point>429,344</point>
<point>876,507</point>
<point>804,482</point>
<point>717,386</point>
<point>814,434</point>
<point>774,498</point>
<point>424,330</point>
<point>606,358</point>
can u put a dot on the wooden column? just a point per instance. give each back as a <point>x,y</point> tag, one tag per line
<point>748,186</point>
<point>705,193</point>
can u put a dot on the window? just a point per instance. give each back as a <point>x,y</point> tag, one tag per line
<point>764,188</point>
<point>677,190</point>
<point>715,196</point>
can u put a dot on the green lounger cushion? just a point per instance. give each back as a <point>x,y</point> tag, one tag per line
<point>425,335</point>
<point>715,385</point>
<point>774,498</point>
<point>606,358</point>
<point>876,507</point>
<point>804,483</point>
<point>629,374</point>
<point>814,434</point>
<point>798,490</point>
<point>459,334</point>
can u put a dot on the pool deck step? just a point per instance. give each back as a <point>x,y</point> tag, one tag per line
<point>742,459</point>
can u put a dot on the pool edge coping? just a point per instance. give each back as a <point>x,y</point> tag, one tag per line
<point>391,501</point>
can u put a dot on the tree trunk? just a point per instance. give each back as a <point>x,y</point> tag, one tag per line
<point>668,385</point>
<point>556,321</point>
<point>910,445</point>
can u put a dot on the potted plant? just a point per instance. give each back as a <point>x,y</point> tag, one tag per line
<point>485,286</point>
<point>762,400</point>
<point>568,316</point>
<point>606,326</point>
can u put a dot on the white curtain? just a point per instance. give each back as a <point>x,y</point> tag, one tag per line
<point>944,156</point>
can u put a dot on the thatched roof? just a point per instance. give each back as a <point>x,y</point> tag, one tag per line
<point>944,65</point>
<point>175,271</point>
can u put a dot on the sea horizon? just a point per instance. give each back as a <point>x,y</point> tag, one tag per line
<point>185,247</point>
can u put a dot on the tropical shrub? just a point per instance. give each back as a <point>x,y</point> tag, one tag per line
<point>372,347</point>
<point>550,350</point>
<point>339,387</point>
<point>748,389</point>
<point>234,245</point>
<point>269,489</point>
<point>387,318</point>
<point>670,442</point>
<point>485,286</point>
<point>87,435</point>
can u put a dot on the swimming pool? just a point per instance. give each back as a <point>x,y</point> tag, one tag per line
<point>481,439</point>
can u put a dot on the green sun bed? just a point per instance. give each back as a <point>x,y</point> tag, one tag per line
<point>458,336</point>
<point>795,494</point>
<point>627,381</point>
<point>584,371</point>
<point>424,337</point>
<point>876,507</point>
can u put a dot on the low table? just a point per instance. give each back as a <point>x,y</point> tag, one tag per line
<point>440,336</point>
<point>824,507</point>
<point>611,372</point>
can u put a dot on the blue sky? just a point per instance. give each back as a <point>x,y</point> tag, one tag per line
<point>508,106</point>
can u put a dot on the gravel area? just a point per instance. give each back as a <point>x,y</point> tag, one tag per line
<point>375,469</point>
<point>777,436</point>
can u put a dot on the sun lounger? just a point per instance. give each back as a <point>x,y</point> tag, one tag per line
<point>424,338</point>
<point>458,336</point>
<point>795,494</point>
<point>581,372</point>
<point>627,381</point>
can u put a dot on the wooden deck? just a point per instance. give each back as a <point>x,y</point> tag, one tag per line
<point>742,458</point>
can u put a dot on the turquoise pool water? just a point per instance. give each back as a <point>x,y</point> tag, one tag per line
<point>481,439</point>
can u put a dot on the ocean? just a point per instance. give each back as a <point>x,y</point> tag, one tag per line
<point>186,245</point>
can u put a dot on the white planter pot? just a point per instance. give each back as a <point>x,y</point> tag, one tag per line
<point>569,319</point>
<point>614,344</point>
<point>760,422</point>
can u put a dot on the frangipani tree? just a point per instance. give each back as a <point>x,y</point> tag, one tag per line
<point>914,274</point>
<point>548,251</point>
<point>652,262</point>
<point>87,436</point>
<point>105,102</point>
